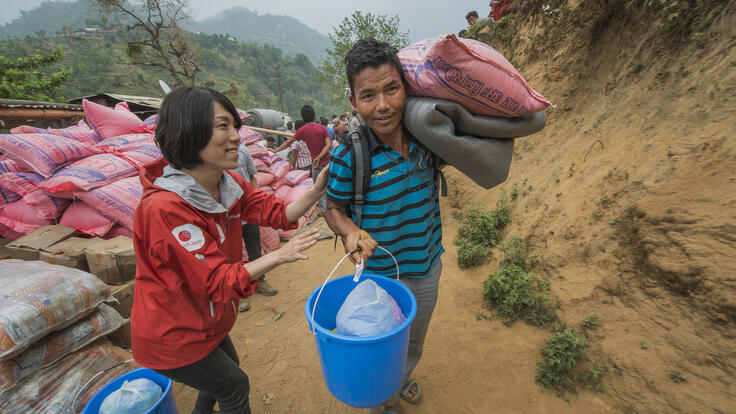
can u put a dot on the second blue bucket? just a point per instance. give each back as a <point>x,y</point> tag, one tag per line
<point>360,371</point>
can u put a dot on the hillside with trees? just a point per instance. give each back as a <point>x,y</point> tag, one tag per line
<point>283,32</point>
<point>100,63</point>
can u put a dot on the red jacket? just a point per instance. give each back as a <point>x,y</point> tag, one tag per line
<point>190,274</point>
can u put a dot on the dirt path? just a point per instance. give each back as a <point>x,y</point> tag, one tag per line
<point>469,366</point>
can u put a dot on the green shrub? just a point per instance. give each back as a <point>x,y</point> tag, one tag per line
<point>520,295</point>
<point>480,229</point>
<point>564,350</point>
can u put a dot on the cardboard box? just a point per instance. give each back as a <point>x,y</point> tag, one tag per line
<point>124,295</point>
<point>121,336</point>
<point>29,246</point>
<point>113,261</point>
<point>69,253</point>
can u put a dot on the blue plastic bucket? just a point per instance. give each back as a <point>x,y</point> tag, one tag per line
<point>360,371</point>
<point>165,405</point>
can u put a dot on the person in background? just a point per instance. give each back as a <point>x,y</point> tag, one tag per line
<point>472,18</point>
<point>341,127</point>
<point>501,8</point>
<point>299,156</point>
<point>190,272</point>
<point>318,142</point>
<point>330,130</point>
<point>401,211</point>
<point>354,121</point>
<point>251,232</point>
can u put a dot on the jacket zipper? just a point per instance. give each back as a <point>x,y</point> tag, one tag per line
<point>212,309</point>
<point>235,310</point>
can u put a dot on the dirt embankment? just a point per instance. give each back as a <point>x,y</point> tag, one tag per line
<point>629,195</point>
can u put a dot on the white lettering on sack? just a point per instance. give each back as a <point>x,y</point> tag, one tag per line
<point>222,233</point>
<point>189,236</point>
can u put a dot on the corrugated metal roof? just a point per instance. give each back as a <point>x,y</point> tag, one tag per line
<point>18,103</point>
<point>140,100</point>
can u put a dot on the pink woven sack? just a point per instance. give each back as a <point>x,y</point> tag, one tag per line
<point>80,132</point>
<point>282,191</point>
<point>470,73</point>
<point>22,218</point>
<point>257,151</point>
<point>89,173</point>
<point>248,136</point>
<point>108,122</point>
<point>116,201</point>
<point>86,220</point>
<point>263,178</point>
<point>24,184</point>
<point>12,166</point>
<point>126,142</point>
<point>44,153</point>
<point>279,168</point>
<point>269,239</point>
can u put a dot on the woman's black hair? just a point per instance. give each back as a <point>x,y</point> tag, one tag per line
<point>185,123</point>
<point>370,53</point>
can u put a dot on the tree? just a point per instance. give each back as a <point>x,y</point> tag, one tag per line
<point>21,78</point>
<point>358,26</point>
<point>162,43</point>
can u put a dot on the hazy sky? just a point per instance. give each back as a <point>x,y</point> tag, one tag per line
<point>421,19</point>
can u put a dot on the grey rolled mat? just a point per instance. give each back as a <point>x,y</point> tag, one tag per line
<point>478,146</point>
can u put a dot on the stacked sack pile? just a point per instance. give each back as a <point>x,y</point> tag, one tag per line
<point>86,176</point>
<point>275,176</point>
<point>52,323</point>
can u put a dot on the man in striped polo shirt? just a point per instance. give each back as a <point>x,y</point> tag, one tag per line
<point>401,210</point>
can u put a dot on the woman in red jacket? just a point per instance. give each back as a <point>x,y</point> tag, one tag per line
<point>190,273</point>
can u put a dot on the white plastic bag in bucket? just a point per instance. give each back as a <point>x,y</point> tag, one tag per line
<point>136,396</point>
<point>368,311</point>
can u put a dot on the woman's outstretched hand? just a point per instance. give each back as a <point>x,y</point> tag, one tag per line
<point>292,251</point>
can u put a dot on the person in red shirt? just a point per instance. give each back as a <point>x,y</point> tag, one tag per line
<point>317,139</point>
<point>190,272</point>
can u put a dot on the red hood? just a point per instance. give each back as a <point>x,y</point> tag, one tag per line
<point>150,172</point>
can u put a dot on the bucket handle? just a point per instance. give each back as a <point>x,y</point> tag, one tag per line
<point>314,308</point>
<point>84,387</point>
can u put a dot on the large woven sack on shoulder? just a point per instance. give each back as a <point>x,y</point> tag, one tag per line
<point>59,344</point>
<point>39,298</point>
<point>53,389</point>
<point>471,73</point>
<point>44,153</point>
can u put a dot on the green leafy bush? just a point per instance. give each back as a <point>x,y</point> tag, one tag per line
<point>480,230</point>
<point>564,350</point>
<point>520,295</point>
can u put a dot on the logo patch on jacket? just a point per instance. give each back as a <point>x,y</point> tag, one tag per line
<point>189,236</point>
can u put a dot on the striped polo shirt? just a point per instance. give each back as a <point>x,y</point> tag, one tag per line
<point>401,210</point>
